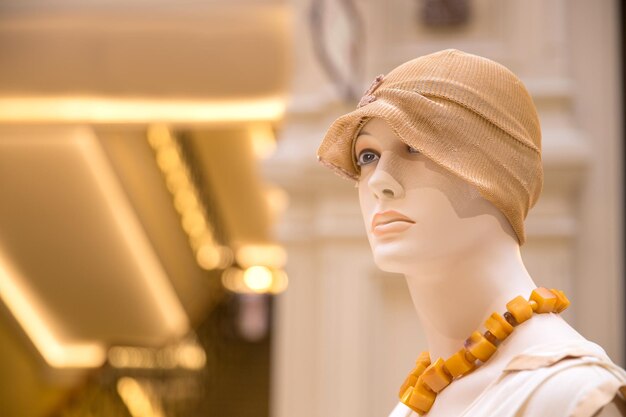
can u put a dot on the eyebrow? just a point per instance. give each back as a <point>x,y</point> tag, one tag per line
<point>364,132</point>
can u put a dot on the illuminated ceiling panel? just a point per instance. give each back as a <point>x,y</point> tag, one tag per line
<point>74,251</point>
<point>197,50</point>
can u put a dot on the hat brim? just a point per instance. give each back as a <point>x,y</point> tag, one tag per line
<point>336,150</point>
<point>451,135</point>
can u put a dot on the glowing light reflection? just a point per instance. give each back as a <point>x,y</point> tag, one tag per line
<point>138,399</point>
<point>29,315</point>
<point>88,109</point>
<point>258,278</point>
<point>255,280</point>
<point>186,354</point>
<point>272,256</point>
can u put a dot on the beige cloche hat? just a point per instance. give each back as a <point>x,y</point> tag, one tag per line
<point>467,113</point>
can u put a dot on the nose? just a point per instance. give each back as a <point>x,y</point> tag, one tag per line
<point>383,184</point>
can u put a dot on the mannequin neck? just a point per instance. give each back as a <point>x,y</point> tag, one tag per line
<point>453,295</point>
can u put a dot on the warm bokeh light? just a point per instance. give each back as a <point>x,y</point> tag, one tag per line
<point>132,357</point>
<point>262,139</point>
<point>232,280</point>
<point>190,356</point>
<point>137,398</point>
<point>211,256</point>
<point>177,181</point>
<point>187,202</point>
<point>62,109</point>
<point>168,158</point>
<point>255,280</point>
<point>269,255</point>
<point>258,278</point>
<point>159,136</point>
<point>280,281</point>
<point>186,354</point>
<point>193,222</point>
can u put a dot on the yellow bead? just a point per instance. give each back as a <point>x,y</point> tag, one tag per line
<point>421,398</point>
<point>458,364</point>
<point>470,357</point>
<point>423,358</point>
<point>408,382</point>
<point>545,299</point>
<point>480,347</point>
<point>561,301</point>
<point>406,400</point>
<point>421,364</point>
<point>436,376</point>
<point>419,368</point>
<point>498,326</point>
<point>520,309</point>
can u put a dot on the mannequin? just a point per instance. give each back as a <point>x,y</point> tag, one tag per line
<point>446,154</point>
<point>460,251</point>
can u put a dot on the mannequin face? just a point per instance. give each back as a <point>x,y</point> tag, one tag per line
<point>423,212</point>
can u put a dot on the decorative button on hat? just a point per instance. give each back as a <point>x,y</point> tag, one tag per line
<point>368,96</point>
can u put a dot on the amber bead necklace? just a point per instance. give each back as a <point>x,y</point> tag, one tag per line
<point>427,379</point>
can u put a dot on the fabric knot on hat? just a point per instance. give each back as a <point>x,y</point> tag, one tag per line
<point>368,96</point>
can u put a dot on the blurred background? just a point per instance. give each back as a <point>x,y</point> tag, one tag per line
<point>169,245</point>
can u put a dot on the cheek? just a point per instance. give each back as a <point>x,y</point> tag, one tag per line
<point>363,198</point>
<point>461,196</point>
<point>366,201</point>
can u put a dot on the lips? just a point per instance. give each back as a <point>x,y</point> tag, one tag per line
<point>390,221</point>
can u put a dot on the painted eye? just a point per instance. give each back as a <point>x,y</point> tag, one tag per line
<point>412,150</point>
<point>366,157</point>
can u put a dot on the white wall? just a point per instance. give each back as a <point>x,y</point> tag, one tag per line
<point>346,334</point>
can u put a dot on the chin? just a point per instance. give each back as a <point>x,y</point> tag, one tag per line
<point>391,258</point>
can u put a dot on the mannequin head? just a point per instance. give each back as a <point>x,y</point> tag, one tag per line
<point>469,115</point>
<point>447,217</point>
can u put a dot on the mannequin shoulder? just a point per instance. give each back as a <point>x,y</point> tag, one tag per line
<point>579,391</point>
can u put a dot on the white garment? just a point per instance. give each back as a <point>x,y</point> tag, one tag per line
<point>565,379</point>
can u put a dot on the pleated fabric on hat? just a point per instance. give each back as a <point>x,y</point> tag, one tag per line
<point>468,114</point>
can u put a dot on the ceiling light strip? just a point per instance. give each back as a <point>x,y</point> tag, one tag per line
<point>90,109</point>
<point>152,274</point>
<point>25,308</point>
<point>187,200</point>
